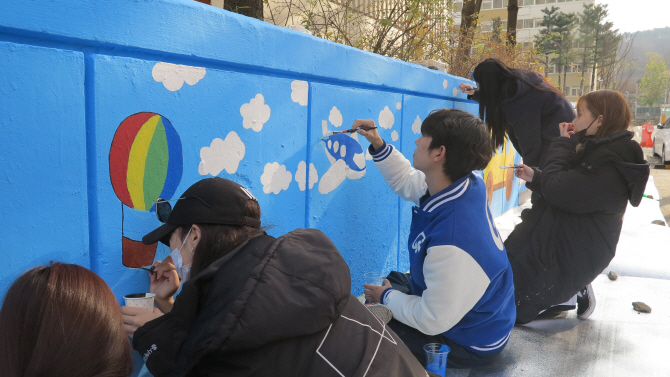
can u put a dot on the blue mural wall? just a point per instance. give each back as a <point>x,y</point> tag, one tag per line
<point>108,105</point>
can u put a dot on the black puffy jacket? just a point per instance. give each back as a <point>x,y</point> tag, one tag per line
<point>273,307</point>
<point>570,235</point>
<point>534,116</point>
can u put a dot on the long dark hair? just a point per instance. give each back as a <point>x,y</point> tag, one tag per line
<point>497,83</point>
<point>62,320</point>
<point>218,240</point>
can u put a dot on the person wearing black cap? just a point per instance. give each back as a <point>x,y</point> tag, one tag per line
<point>253,304</point>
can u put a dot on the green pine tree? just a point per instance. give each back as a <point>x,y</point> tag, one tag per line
<point>556,39</point>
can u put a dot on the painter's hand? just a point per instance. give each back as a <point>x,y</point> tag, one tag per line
<point>366,127</point>
<point>466,88</point>
<point>134,318</point>
<point>164,283</point>
<point>566,129</point>
<point>524,172</point>
<point>373,293</point>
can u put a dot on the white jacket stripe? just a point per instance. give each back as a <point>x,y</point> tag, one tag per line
<point>380,155</point>
<point>446,198</point>
<point>494,346</point>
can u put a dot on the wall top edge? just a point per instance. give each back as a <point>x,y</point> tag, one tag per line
<point>186,28</point>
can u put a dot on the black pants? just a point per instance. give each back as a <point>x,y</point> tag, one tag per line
<point>459,356</point>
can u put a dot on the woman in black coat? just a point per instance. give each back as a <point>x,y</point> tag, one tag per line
<point>252,304</point>
<point>521,104</point>
<point>570,234</point>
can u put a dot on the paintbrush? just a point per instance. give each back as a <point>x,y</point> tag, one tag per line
<point>151,270</point>
<point>515,167</point>
<point>348,131</point>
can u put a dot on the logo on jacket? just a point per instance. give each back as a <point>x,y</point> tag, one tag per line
<point>149,352</point>
<point>416,245</point>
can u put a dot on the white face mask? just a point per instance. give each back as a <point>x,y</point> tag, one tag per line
<point>182,271</point>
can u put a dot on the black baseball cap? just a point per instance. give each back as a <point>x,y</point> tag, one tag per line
<point>208,201</point>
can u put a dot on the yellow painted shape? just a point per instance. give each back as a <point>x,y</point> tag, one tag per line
<point>509,153</point>
<point>137,160</point>
<point>506,158</point>
<point>494,167</point>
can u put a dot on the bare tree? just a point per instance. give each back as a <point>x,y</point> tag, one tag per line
<point>512,12</point>
<point>406,29</point>
<point>250,8</point>
<point>469,18</point>
<point>403,29</point>
<point>616,72</point>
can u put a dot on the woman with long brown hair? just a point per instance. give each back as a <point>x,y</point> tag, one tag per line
<point>570,234</point>
<point>62,320</point>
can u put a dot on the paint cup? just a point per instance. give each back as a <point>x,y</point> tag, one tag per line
<point>373,278</point>
<point>140,300</point>
<point>436,358</point>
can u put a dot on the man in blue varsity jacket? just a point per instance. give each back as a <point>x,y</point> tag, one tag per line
<point>459,290</point>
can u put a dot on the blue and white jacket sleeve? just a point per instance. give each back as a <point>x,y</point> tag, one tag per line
<point>454,284</point>
<point>398,173</point>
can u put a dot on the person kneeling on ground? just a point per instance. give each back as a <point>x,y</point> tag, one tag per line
<point>252,304</point>
<point>569,236</point>
<point>460,289</point>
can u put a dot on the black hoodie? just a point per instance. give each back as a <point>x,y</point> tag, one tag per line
<point>273,307</point>
<point>570,235</point>
<point>534,115</point>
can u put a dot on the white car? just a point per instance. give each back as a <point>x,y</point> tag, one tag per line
<point>661,144</point>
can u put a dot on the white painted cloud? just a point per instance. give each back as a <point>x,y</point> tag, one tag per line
<point>416,126</point>
<point>335,117</point>
<point>222,154</point>
<point>275,178</point>
<point>455,92</point>
<point>255,113</point>
<point>445,84</point>
<point>299,92</point>
<point>173,76</point>
<point>394,136</point>
<point>386,118</point>
<point>301,175</point>
<point>398,105</point>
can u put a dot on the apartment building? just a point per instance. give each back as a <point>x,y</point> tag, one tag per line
<point>528,26</point>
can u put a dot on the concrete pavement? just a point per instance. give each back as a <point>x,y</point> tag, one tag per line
<point>616,340</point>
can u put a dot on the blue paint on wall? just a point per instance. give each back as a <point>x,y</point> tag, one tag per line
<point>43,191</point>
<point>72,70</point>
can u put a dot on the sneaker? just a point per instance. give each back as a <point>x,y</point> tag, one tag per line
<point>586,302</point>
<point>382,312</point>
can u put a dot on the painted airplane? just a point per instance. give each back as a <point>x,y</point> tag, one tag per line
<point>346,156</point>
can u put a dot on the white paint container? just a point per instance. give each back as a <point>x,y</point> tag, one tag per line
<point>140,300</point>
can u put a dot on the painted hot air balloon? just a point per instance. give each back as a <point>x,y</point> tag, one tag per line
<point>145,163</point>
<point>145,160</point>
